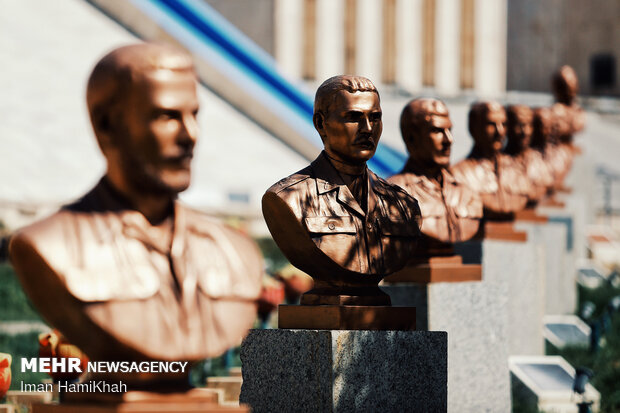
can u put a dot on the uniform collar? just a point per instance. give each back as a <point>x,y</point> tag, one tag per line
<point>328,179</point>
<point>133,223</point>
<point>419,178</point>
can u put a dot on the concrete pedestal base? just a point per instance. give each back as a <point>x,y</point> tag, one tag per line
<point>344,371</point>
<point>556,265</point>
<point>486,320</point>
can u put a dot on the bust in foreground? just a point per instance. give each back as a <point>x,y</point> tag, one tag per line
<point>127,272</point>
<point>335,219</point>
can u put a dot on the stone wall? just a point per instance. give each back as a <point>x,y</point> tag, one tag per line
<point>545,34</point>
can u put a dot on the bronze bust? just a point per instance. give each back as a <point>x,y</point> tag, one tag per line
<point>335,219</point>
<point>519,128</point>
<point>451,212</point>
<point>565,86</point>
<point>127,272</point>
<point>489,172</point>
<point>549,123</point>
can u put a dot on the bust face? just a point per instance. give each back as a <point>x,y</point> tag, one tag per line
<point>561,120</point>
<point>434,141</point>
<point>159,131</point>
<point>352,127</point>
<point>490,128</point>
<point>565,85</point>
<point>519,129</point>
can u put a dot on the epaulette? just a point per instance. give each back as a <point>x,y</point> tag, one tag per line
<point>287,182</point>
<point>389,186</point>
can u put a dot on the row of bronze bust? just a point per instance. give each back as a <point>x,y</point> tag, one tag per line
<point>348,228</point>
<point>129,273</point>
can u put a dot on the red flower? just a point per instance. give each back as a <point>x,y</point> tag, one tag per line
<point>5,373</point>
<point>54,345</point>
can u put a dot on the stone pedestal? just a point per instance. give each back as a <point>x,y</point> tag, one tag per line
<point>556,264</point>
<point>344,371</point>
<point>486,320</point>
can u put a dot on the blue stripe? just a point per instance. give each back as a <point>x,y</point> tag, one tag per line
<point>226,47</point>
<point>206,24</point>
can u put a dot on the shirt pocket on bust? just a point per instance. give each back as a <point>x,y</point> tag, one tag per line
<point>330,225</point>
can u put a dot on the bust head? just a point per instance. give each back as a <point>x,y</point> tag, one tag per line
<point>487,122</point>
<point>565,85</point>
<point>518,128</point>
<point>543,124</point>
<point>142,102</point>
<point>347,115</point>
<point>425,126</point>
<point>562,122</point>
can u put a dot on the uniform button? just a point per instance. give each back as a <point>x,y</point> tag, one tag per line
<point>331,226</point>
<point>325,186</point>
<point>369,225</point>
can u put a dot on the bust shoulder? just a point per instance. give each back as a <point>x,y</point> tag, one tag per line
<point>403,179</point>
<point>290,181</point>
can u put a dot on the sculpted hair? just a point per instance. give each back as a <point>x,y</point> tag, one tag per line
<point>564,79</point>
<point>542,120</point>
<point>514,113</point>
<point>418,112</point>
<point>327,91</point>
<point>112,77</point>
<point>477,112</point>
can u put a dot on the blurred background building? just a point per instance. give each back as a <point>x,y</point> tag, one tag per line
<point>260,61</point>
<point>451,46</point>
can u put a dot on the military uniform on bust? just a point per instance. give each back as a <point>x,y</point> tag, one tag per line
<point>339,222</point>
<point>451,212</point>
<point>557,158</point>
<point>565,85</point>
<point>108,265</point>
<point>495,176</point>
<point>533,166</point>
<point>368,242</point>
<point>127,273</point>
<point>499,182</point>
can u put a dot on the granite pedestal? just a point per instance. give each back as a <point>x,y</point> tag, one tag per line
<point>556,263</point>
<point>344,371</point>
<point>485,320</point>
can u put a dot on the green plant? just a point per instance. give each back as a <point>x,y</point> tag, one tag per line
<point>605,363</point>
<point>14,305</point>
<point>18,346</point>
